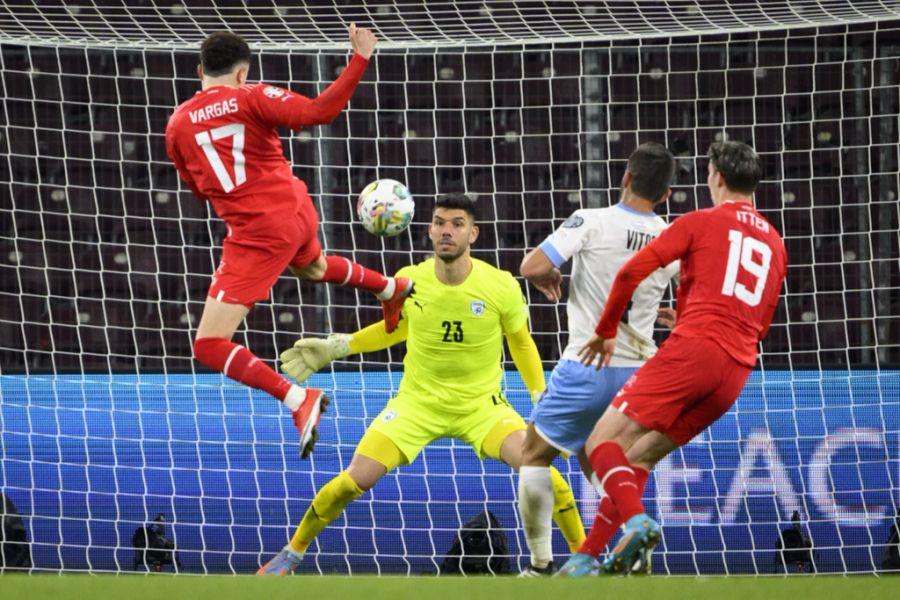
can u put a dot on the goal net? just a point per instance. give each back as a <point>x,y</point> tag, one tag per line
<point>531,107</point>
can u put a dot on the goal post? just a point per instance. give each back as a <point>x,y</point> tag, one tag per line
<point>532,108</point>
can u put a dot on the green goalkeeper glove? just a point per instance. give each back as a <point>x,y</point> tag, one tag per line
<point>311,354</point>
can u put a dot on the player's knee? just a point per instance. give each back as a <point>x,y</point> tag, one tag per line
<point>314,271</point>
<point>535,451</point>
<point>364,480</point>
<point>365,472</point>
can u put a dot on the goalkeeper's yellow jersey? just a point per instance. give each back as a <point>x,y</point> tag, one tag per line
<point>454,343</point>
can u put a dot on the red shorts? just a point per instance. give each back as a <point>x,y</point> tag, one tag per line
<point>683,389</point>
<point>255,256</point>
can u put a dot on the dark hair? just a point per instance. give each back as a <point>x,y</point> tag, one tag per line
<point>652,169</point>
<point>739,165</point>
<point>460,201</point>
<point>221,51</point>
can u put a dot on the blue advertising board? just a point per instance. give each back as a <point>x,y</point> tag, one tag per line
<point>87,459</point>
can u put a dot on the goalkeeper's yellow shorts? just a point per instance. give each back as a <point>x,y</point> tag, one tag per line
<point>411,425</point>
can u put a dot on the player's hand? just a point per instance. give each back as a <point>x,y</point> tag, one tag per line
<point>311,354</point>
<point>597,346</point>
<point>666,317</point>
<point>550,285</point>
<point>362,40</point>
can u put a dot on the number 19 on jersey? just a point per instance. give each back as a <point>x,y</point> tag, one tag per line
<point>743,252</point>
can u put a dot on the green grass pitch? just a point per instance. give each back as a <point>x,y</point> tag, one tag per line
<point>218,587</point>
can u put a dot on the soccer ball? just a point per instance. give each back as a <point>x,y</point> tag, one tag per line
<point>385,207</point>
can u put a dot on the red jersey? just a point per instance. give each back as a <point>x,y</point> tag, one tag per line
<point>733,264</point>
<point>225,144</point>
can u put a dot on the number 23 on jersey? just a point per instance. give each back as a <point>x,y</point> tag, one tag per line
<point>453,331</point>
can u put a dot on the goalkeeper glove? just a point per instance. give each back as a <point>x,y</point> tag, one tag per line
<point>311,354</point>
<point>536,395</point>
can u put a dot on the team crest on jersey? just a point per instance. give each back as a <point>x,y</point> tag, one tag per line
<point>477,307</point>
<point>273,92</point>
<point>574,221</point>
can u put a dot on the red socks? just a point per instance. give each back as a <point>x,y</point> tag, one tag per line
<point>607,519</point>
<point>342,271</point>
<point>618,479</point>
<point>240,364</point>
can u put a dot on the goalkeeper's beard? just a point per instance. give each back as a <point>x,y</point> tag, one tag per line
<point>452,255</point>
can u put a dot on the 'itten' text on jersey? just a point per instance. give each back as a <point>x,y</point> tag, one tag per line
<point>751,219</point>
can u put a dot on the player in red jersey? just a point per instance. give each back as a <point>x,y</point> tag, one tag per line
<point>225,144</point>
<point>733,264</point>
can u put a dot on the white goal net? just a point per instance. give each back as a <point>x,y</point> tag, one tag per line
<point>531,107</point>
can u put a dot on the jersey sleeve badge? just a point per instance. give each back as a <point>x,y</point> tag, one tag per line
<point>573,222</point>
<point>273,92</point>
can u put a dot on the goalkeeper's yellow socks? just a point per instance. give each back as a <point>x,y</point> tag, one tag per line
<point>565,511</point>
<point>325,508</point>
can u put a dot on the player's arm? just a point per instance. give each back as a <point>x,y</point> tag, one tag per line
<point>527,359</point>
<point>309,355</point>
<point>671,245</point>
<point>514,323</point>
<point>632,273</point>
<point>374,337</point>
<point>542,272</point>
<point>541,265</point>
<point>325,107</point>
<point>295,110</point>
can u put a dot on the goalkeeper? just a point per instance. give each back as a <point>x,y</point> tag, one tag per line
<point>453,325</point>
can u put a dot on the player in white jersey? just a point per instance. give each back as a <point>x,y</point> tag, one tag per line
<point>598,241</point>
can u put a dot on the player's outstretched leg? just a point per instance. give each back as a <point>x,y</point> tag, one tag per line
<point>620,480</point>
<point>328,504</point>
<point>341,271</point>
<point>313,403</point>
<point>393,305</point>
<point>238,363</point>
<point>606,523</point>
<point>337,270</point>
<point>641,535</point>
